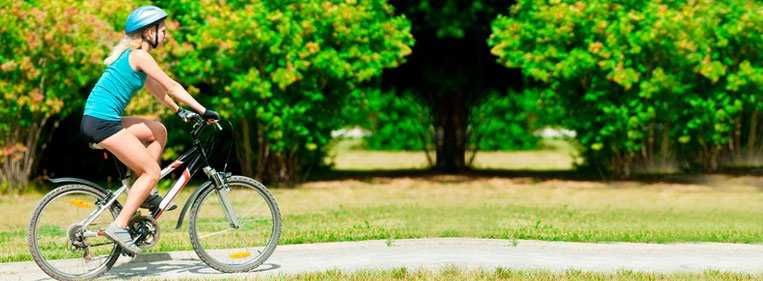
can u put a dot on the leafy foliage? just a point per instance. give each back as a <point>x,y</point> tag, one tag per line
<point>644,81</point>
<point>50,51</point>
<point>396,122</point>
<point>452,18</point>
<point>506,122</point>
<point>286,66</point>
<point>402,122</point>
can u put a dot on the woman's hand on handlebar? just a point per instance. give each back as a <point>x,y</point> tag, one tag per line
<point>212,117</point>
<point>186,115</point>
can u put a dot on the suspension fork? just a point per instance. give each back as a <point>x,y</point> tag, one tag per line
<point>222,189</point>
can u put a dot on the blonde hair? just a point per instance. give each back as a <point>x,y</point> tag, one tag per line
<point>132,40</point>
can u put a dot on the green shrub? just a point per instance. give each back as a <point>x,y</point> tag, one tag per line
<point>51,52</point>
<point>396,122</point>
<point>282,69</point>
<point>644,82</point>
<point>505,122</point>
<point>402,121</point>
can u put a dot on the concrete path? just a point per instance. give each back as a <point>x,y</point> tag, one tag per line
<point>439,252</point>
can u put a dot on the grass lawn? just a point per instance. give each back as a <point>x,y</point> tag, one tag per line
<point>454,273</point>
<point>716,208</point>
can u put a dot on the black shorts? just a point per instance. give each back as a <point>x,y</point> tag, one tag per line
<point>96,129</point>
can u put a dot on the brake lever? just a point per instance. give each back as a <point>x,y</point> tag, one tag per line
<point>201,121</point>
<point>212,121</point>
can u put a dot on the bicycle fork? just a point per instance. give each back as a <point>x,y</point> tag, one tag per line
<point>222,188</point>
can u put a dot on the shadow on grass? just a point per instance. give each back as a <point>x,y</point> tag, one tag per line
<point>371,176</point>
<point>534,175</point>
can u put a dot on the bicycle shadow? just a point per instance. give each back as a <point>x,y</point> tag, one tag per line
<point>162,264</point>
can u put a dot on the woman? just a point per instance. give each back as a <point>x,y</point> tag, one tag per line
<point>136,142</point>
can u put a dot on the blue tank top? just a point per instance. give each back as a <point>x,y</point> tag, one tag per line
<point>114,89</point>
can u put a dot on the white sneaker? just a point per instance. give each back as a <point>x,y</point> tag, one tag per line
<point>123,238</point>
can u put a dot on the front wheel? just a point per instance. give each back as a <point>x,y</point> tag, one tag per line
<point>241,246</point>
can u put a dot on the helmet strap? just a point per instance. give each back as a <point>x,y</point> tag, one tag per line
<point>156,37</point>
<point>154,43</point>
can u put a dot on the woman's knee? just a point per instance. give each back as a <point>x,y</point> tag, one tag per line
<point>159,132</point>
<point>152,171</point>
<point>163,133</point>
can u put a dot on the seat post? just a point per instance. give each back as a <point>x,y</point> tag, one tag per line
<point>122,171</point>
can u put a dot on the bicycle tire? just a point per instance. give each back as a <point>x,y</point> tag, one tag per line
<point>272,242</point>
<point>32,234</point>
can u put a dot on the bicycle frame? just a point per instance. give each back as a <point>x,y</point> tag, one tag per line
<point>193,157</point>
<point>194,154</point>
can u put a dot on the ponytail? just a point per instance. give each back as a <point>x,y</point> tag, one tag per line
<point>132,40</point>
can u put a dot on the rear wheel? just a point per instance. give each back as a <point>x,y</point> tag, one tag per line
<point>224,247</point>
<point>63,248</point>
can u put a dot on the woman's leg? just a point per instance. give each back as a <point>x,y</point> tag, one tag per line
<point>132,152</point>
<point>152,133</point>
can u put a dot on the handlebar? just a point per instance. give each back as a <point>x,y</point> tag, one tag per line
<point>199,123</point>
<point>190,116</point>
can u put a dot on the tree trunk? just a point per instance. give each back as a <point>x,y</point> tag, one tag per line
<point>279,167</point>
<point>244,151</point>
<point>274,166</point>
<point>450,133</point>
<point>46,134</point>
<point>19,156</point>
<point>647,151</point>
<point>666,153</point>
<point>736,148</point>
<point>752,136</point>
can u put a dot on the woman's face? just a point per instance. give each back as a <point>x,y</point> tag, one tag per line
<point>162,33</point>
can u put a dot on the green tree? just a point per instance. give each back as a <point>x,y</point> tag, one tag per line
<point>282,69</point>
<point>51,50</point>
<point>644,82</point>
<point>451,69</point>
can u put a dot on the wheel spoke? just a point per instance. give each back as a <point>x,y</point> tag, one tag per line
<point>214,233</point>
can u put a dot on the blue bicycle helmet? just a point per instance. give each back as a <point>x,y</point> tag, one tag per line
<point>143,17</point>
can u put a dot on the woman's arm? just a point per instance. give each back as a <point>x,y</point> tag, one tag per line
<point>158,91</point>
<point>143,61</point>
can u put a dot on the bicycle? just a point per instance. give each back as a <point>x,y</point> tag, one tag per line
<point>67,241</point>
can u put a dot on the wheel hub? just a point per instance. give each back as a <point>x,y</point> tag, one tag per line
<point>76,237</point>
